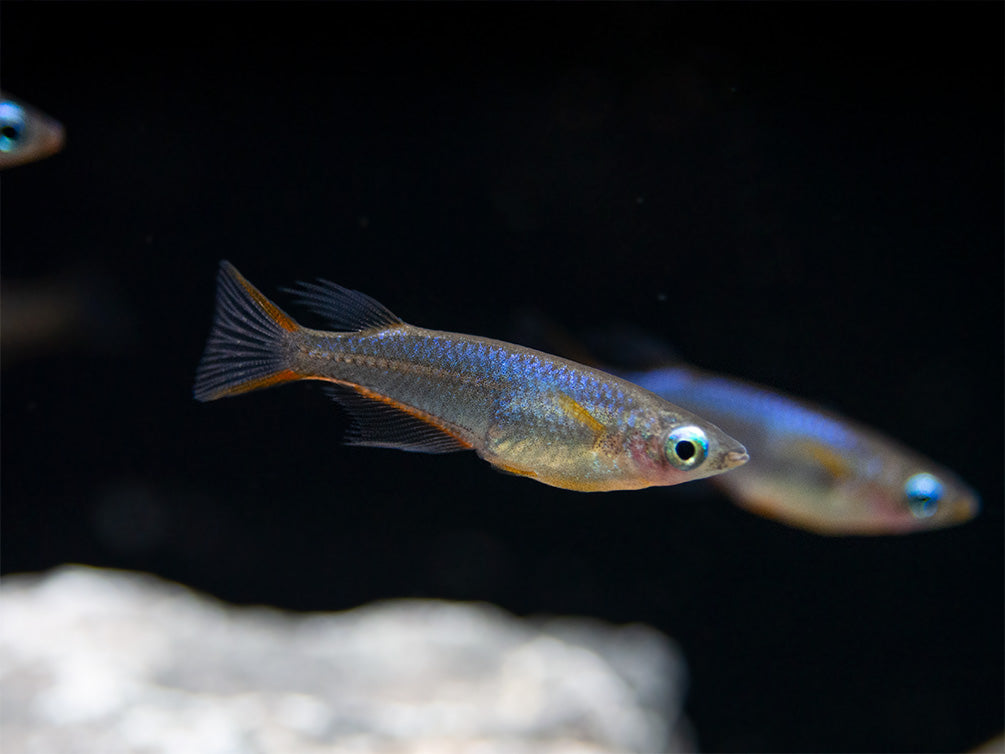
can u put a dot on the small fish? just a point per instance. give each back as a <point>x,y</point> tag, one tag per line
<point>523,411</point>
<point>813,469</point>
<point>26,134</point>
<point>74,310</point>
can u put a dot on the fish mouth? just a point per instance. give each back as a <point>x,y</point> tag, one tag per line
<point>735,458</point>
<point>964,508</point>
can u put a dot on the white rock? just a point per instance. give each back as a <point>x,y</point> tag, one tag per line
<point>108,661</point>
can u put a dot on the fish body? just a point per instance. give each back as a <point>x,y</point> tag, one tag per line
<point>523,411</point>
<point>813,469</point>
<point>26,134</point>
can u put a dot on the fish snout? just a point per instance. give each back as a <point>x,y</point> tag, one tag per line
<point>735,458</point>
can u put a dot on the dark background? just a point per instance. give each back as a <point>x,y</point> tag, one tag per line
<point>807,196</point>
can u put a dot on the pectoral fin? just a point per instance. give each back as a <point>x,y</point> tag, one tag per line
<point>579,413</point>
<point>830,460</point>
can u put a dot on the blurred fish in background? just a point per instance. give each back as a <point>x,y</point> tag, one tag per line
<point>74,309</point>
<point>809,467</point>
<point>26,134</point>
<point>69,311</point>
<point>814,469</point>
<point>995,745</point>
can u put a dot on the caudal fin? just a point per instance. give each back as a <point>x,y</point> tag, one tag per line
<point>249,344</point>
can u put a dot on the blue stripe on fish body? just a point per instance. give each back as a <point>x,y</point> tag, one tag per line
<point>731,401</point>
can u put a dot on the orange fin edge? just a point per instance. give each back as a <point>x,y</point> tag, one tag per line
<point>381,421</point>
<point>269,380</point>
<point>276,314</point>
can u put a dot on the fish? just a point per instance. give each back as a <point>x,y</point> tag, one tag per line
<point>72,310</point>
<point>26,134</point>
<point>523,411</point>
<point>812,468</point>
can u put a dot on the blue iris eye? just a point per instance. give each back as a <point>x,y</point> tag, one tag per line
<point>686,447</point>
<point>923,492</point>
<point>12,124</point>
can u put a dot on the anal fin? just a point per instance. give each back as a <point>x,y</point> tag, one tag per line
<point>513,470</point>
<point>379,421</point>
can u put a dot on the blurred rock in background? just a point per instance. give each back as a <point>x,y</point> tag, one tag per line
<point>109,661</point>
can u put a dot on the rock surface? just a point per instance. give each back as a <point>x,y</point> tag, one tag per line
<point>108,661</point>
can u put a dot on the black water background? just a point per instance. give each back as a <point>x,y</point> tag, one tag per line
<point>807,196</point>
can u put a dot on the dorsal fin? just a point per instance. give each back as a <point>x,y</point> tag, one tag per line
<point>345,309</point>
<point>630,347</point>
<point>620,345</point>
<point>381,422</point>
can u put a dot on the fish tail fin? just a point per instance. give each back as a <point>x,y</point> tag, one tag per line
<point>249,345</point>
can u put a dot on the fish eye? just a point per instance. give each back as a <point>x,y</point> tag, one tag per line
<point>12,125</point>
<point>923,492</point>
<point>686,447</point>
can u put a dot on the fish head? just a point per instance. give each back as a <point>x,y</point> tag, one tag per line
<point>683,448</point>
<point>26,134</point>
<point>886,491</point>
<point>913,494</point>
